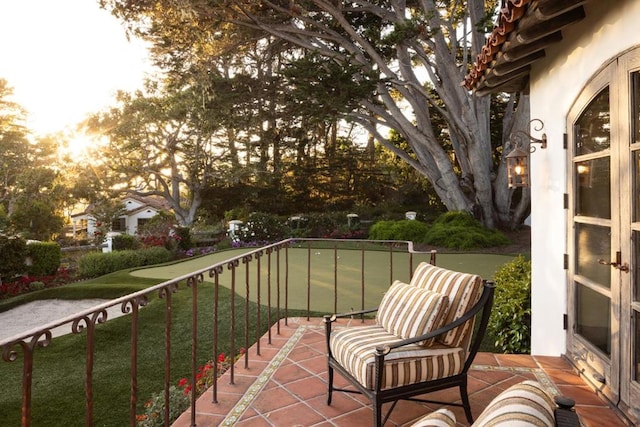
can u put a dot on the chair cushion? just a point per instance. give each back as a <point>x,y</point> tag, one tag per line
<point>354,348</point>
<point>463,290</point>
<point>443,417</point>
<point>408,311</point>
<point>523,404</point>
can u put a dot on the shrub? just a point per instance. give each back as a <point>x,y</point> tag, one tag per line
<point>320,225</point>
<point>262,227</point>
<point>45,258</point>
<point>411,230</point>
<point>13,250</point>
<point>154,409</point>
<point>124,242</point>
<point>459,230</point>
<point>510,321</point>
<point>381,230</point>
<point>97,264</point>
<point>158,231</point>
<point>154,255</point>
<point>183,236</point>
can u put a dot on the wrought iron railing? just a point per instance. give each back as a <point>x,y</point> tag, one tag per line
<point>261,275</point>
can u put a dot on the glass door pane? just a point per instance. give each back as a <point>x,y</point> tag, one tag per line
<point>593,188</point>
<point>593,320</point>
<point>593,243</point>
<point>593,127</point>
<point>592,206</point>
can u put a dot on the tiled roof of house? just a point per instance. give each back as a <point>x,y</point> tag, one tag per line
<point>524,29</point>
<point>156,202</point>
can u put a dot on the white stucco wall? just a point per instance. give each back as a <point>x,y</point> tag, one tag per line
<point>556,81</point>
<point>132,220</point>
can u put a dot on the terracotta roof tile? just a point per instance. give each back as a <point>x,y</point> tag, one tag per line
<point>524,28</point>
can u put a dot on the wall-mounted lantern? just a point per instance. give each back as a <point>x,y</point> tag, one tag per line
<point>518,168</point>
<point>518,158</point>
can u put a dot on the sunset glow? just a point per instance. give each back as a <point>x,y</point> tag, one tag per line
<point>66,59</point>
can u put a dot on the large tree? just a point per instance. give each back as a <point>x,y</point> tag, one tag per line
<point>414,54</point>
<point>160,144</point>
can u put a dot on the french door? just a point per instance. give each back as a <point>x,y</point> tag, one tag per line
<point>604,232</point>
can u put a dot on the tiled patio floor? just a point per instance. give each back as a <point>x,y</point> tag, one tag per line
<point>286,386</point>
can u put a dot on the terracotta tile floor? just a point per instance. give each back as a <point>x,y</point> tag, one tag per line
<point>285,386</point>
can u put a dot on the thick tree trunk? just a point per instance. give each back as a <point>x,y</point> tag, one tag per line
<point>516,118</point>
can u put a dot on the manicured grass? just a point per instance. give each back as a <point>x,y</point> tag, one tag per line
<point>58,389</point>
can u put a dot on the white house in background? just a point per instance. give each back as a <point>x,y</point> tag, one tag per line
<point>138,210</point>
<point>581,62</point>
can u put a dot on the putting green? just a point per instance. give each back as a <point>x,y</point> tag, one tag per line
<point>323,290</point>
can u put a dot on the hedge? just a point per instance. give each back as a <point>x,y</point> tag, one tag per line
<point>97,264</point>
<point>44,258</point>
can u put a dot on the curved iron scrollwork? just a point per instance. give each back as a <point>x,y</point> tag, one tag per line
<point>520,138</point>
<point>195,280</point>
<point>231,265</point>
<point>40,339</point>
<point>137,301</point>
<point>165,291</point>
<point>216,271</point>
<point>89,322</point>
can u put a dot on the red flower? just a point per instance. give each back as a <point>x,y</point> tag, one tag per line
<point>183,382</point>
<point>221,357</point>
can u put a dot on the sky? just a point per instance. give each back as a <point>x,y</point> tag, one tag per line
<point>66,59</point>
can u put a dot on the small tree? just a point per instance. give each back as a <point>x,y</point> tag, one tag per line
<point>105,211</point>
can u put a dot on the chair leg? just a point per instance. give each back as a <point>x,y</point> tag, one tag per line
<point>465,401</point>
<point>330,385</point>
<point>377,412</point>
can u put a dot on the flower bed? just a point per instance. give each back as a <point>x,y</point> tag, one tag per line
<point>180,394</point>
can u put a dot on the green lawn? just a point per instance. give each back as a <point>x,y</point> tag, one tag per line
<point>58,390</point>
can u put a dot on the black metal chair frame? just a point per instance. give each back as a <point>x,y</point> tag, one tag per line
<point>378,396</point>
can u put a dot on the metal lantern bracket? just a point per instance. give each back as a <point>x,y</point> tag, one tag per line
<point>520,138</point>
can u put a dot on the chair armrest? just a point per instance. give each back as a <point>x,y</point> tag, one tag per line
<point>564,414</point>
<point>327,318</point>
<point>485,301</point>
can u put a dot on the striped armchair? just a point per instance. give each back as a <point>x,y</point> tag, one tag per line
<point>423,339</point>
